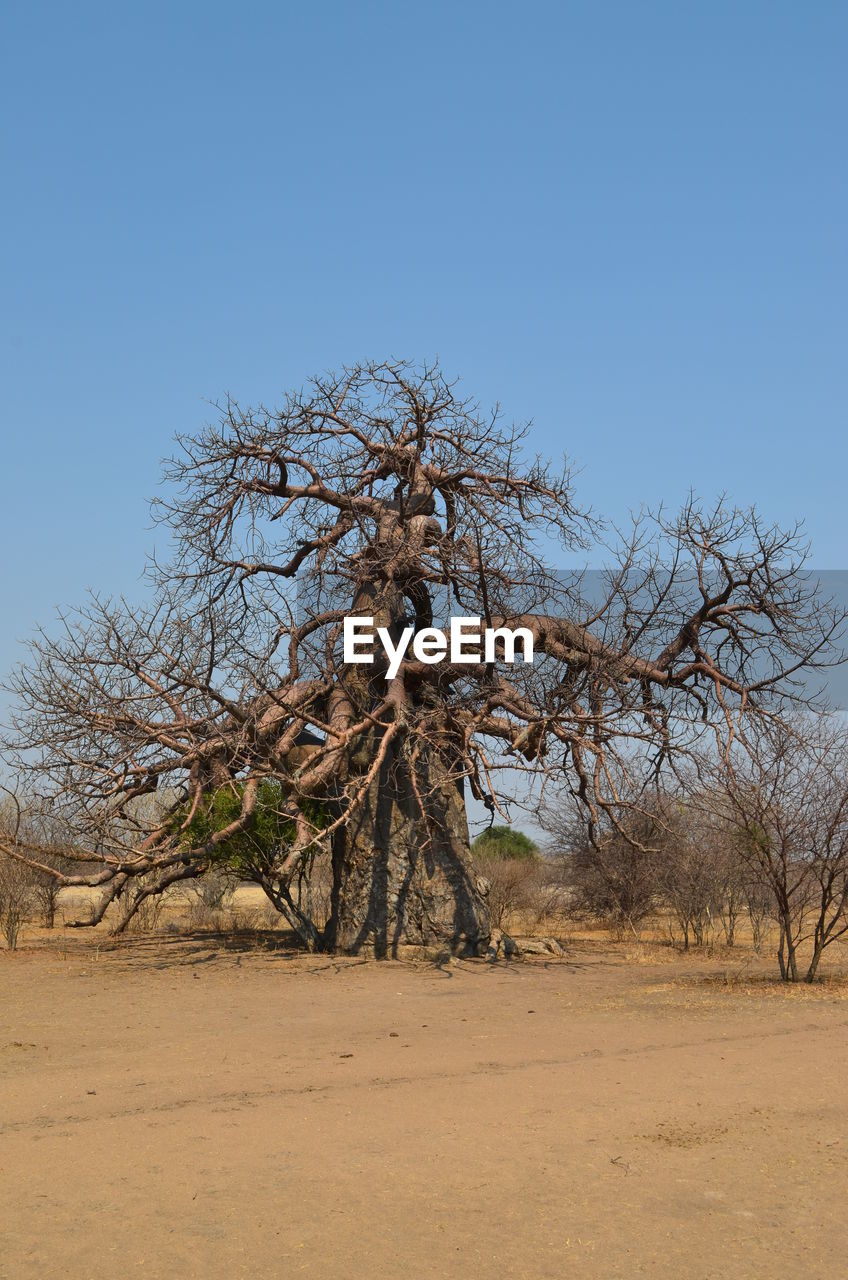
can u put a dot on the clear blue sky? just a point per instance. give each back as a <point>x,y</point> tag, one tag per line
<point>626,221</point>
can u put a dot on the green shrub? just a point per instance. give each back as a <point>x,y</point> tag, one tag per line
<point>505,842</point>
<point>259,846</point>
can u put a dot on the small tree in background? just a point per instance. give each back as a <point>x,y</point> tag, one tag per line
<point>505,842</point>
<point>686,883</point>
<point>17,879</point>
<point>17,898</point>
<point>508,864</point>
<point>45,889</point>
<point>609,877</point>
<point>784,794</point>
<point>261,852</point>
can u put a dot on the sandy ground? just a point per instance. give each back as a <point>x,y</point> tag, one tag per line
<point>180,1108</point>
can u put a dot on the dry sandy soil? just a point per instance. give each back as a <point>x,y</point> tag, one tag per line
<point>184,1108</point>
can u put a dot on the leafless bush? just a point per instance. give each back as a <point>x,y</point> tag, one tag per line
<point>687,874</point>
<point>760,905</point>
<point>22,827</point>
<point>206,900</point>
<point>203,917</point>
<point>784,796</point>
<point>17,898</point>
<point>513,885</point>
<point>610,880</point>
<point>313,888</point>
<point>47,897</point>
<point>147,914</point>
<point>268,917</point>
<point>242,919</point>
<point>213,896</point>
<point>214,890</point>
<point>731,891</point>
<point>551,897</point>
<point>46,888</point>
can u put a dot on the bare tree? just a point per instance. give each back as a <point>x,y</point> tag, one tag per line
<point>511,885</point>
<point>784,789</point>
<point>17,878</point>
<point>17,898</point>
<point>687,879</point>
<point>611,879</point>
<point>46,889</point>
<point>379,492</point>
<point>759,905</point>
<point>674,852</point>
<point>731,897</point>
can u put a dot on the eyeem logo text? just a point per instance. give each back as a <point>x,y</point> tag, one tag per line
<point>468,641</point>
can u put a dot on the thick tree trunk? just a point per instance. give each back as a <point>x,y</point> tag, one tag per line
<point>400,881</point>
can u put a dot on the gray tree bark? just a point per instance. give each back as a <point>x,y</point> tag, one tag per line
<point>401,880</point>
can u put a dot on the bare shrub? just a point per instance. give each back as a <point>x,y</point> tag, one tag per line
<point>214,890</point>
<point>17,898</point>
<point>321,887</point>
<point>46,891</point>
<point>268,917</point>
<point>23,828</point>
<point>146,915</point>
<point>687,876</point>
<point>242,919</point>
<point>784,793</point>
<point>609,880</point>
<point>207,899</point>
<point>313,887</point>
<point>205,918</point>
<point>513,885</point>
<point>551,897</point>
<point>759,903</point>
<point>731,890</point>
<point>46,887</point>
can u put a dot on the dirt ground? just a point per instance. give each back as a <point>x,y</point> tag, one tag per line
<point>190,1107</point>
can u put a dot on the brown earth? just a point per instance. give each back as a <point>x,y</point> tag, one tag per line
<point>186,1108</point>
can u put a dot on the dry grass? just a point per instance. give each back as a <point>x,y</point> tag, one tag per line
<point>244,912</point>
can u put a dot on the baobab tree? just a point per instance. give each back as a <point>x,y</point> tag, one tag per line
<point>223,721</point>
